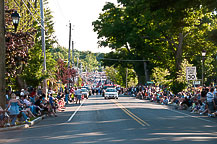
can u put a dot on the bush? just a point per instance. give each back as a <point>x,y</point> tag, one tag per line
<point>177,86</point>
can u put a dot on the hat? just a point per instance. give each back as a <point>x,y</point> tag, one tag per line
<point>22,89</point>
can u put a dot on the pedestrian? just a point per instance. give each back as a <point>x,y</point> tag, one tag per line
<point>76,94</point>
<point>66,95</point>
<point>79,94</point>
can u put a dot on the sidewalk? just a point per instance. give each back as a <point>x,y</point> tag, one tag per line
<point>35,121</point>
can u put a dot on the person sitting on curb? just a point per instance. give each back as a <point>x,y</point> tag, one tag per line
<point>3,117</point>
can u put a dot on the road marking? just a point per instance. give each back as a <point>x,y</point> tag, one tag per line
<point>129,113</point>
<point>71,117</point>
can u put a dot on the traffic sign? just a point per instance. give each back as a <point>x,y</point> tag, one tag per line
<point>191,73</point>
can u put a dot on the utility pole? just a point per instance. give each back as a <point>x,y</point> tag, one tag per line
<point>2,55</point>
<point>69,56</point>
<point>126,77</point>
<point>146,72</point>
<point>43,45</point>
<point>73,54</point>
<point>77,62</point>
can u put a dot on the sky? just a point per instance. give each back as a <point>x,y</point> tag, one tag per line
<point>81,14</point>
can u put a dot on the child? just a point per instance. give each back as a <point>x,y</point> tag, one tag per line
<point>195,107</point>
<point>2,117</point>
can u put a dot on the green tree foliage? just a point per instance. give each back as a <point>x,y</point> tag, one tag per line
<point>33,73</point>
<point>163,32</point>
<point>24,52</point>
<point>118,76</point>
<point>18,45</point>
<point>160,76</point>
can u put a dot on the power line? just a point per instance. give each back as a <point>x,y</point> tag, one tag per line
<point>34,9</point>
<point>58,5</point>
<point>122,60</point>
<point>30,13</point>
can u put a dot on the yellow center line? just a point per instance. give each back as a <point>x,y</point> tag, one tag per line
<point>136,118</point>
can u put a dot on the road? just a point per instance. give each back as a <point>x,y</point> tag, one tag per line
<point>126,120</point>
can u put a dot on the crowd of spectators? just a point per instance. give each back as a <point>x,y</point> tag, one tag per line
<point>27,104</point>
<point>197,100</point>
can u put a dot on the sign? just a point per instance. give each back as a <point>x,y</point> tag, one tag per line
<point>191,73</point>
<point>196,82</point>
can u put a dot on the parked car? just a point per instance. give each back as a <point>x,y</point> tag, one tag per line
<point>85,93</point>
<point>111,93</point>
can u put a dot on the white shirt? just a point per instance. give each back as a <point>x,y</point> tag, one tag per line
<point>28,103</point>
<point>215,92</point>
<point>209,97</point>
<point>79,92</point>
<point>76,92</point>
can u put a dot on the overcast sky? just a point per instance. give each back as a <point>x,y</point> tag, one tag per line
<point>81,13</point>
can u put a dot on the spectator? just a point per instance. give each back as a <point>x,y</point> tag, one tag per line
<point>165,101</point>
<point>79,94</point>
<point>2,117</point>
<point>22,92</point>
<point>210,102</point>
<point>13,108</point>
<point>66,95</point>
<point>203,94</point>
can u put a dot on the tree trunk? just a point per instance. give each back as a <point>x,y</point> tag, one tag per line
<point>2,55</point>
<point>178,56</point>
<point>146,72</point>
<point>141,79</point>
<point>141,71</point>
<point>20,83</point>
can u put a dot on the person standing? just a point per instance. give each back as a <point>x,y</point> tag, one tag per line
<point>13,108</point>
<point>66,95</point>
<point>76,94</point>
<point>79,94</point>
<point>210,102</point>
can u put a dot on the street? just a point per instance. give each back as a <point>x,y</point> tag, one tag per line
<point>124,120</point>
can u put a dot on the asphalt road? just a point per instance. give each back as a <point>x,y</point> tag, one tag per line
<point>126,120</point>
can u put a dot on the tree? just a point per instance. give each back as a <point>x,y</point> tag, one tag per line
<point>17,47</point>
<point>159,75</point>
<point>33,72</point>
<point>64,73</point>
<point>162,32</point>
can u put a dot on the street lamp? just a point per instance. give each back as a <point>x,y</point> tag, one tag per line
<point>203,56</point>
<point>16,18</point>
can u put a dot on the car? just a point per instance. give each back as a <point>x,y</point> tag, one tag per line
<point>85,93</point>
<point>88,89</point>
<point>111,93</point>
<point>106,87</point>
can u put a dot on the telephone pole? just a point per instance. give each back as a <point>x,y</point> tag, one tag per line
<point>69,56</point>
<point>2,55</point>
<point>73,54</point>
<point>43,45</point>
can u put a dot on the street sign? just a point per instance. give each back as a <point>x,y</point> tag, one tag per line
<point>196,82</point>
<point>191,73</point>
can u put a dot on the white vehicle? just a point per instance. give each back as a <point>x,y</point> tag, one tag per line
<point>111,93</point>
<point>85,92</point>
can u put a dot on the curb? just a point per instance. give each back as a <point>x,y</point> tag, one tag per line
<point>35,121</point>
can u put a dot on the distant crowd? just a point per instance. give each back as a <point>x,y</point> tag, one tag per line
<point>197,100</point>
